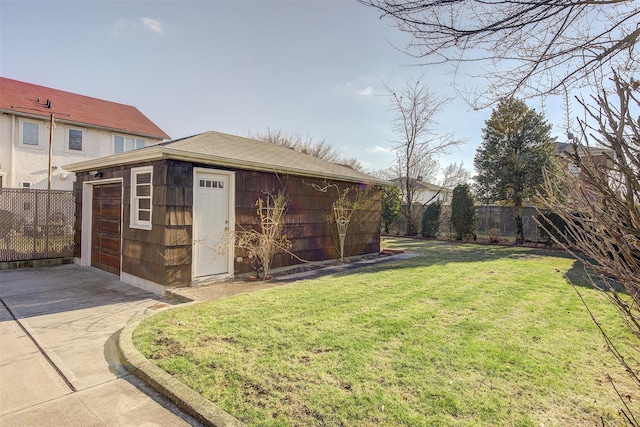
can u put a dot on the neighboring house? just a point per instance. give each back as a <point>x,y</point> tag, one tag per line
<point>158,216</point>
<point>426,192</point>
<point>600,156</point>
<point>84,128</point>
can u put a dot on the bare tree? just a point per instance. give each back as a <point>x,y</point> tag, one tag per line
<point>268,239</point>
<point>346,209</point>
<point>526,47</point>
<point>415,107</point>
<point>320,149</point>
<point>601,205</point>
<point>303,144</point>
<point>455,174</point>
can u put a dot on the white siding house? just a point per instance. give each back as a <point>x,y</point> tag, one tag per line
<point>84,128</point>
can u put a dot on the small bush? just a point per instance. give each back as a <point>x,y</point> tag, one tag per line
<point>431,218</point>
<point>494,235</point>
<point>463,212</point>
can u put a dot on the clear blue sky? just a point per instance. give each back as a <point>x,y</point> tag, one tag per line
<point>240,67</point>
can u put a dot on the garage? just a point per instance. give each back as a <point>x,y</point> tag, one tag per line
<point>106,227</point>
<point>165,215</point>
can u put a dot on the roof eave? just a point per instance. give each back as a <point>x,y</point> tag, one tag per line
<point>162,152</point>
<point>59,119</point>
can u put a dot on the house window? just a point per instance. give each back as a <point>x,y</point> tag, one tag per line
<point>30,133</point>
<point>125,143</point>
<point>25,184</point>
<point>207,183</point>
<point>141,192</point>
<point>74,138</point>
<point>573,169</point>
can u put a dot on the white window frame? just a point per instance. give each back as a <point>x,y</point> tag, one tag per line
<point>25,184</point>
<point>573,169</point>
<point>21,133</point>
<point>67,148</point>
<point>136,141</point>
<point>135,209</point>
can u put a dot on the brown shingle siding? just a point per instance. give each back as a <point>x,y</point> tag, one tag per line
<point>164,253</point>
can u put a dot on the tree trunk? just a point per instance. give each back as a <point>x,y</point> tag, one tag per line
<point>517,210</point>
<point>411,228</point>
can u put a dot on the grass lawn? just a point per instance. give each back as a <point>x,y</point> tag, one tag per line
<point>461,335</point>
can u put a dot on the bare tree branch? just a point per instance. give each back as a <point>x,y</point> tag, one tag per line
<point>526,47</point>
<point>600,207</point>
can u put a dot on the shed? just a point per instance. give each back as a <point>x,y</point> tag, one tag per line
<point>157,216</point>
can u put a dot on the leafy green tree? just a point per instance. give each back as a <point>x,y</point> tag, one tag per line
<point>516,147</point>
<point>431,218</point>
<point>391,206</point>
<point>464,216</point>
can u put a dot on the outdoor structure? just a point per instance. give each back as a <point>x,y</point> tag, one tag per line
<point>161,216</point>
<point>84,128</point>
<point>425,192</point>
<point>599,155</point>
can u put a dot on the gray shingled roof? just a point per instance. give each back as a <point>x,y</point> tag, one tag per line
<point>224,150</point>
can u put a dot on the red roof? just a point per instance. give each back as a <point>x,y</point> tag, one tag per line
<point>27,98</point>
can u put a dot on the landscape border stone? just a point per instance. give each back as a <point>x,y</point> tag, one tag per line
<point>186,398</point>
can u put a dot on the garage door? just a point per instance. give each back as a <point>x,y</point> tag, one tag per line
<point>105,227</point>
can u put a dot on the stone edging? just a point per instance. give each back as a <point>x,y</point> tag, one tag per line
<point>187,399</point>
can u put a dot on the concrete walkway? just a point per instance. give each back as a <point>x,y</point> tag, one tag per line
<point>59,363</point>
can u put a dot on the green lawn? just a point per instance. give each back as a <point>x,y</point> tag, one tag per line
<point>461,335</point>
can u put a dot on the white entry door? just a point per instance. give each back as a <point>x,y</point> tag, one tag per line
<point>210,224</point>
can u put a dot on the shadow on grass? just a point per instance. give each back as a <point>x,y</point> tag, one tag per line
<point>438,252</point>
<point>579,276</point>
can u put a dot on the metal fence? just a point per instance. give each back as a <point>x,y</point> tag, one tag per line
<point>36,224</point>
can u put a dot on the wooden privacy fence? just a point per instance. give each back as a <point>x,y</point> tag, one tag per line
<point>502,218</point>
<point>36,224</point>
<point>498,218</point>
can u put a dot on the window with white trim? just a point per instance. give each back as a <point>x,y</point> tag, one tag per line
<point>30,133</point>
<point>126,143</point>
<point>141,197</point>
<point>74,139</point>
<point>573,169</point>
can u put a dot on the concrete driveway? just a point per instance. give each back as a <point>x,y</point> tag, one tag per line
<point>58,354</point>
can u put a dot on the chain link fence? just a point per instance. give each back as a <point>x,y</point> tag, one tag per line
<point>36,224</point>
